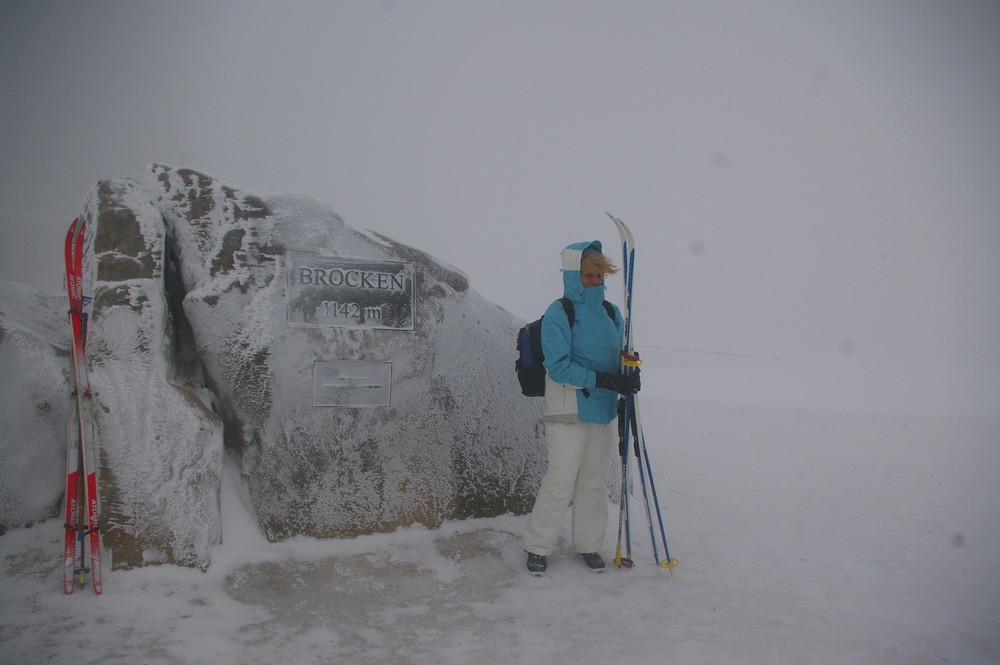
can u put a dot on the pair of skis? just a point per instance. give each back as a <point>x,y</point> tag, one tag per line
<point>630,430</point>
<point>82,544</point>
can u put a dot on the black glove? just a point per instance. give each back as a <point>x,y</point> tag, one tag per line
<point>620,383</point>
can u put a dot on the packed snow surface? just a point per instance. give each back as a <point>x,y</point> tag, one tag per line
<point>804,534</point>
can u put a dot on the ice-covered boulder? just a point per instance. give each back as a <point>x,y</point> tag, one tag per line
<point>361,384</point>
<point>34,362</point>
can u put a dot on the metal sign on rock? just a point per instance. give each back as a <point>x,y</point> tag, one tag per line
<point>349,293</point>
<point>351,383</point>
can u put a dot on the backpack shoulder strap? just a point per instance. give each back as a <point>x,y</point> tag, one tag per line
<point>570,313</point>
<point>609,309</point>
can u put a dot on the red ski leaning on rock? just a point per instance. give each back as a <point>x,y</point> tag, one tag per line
<point>82,507</point>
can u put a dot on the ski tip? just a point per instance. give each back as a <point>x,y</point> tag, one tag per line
<point>623,230</point>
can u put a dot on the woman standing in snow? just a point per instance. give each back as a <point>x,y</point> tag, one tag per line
<point>582,385</point>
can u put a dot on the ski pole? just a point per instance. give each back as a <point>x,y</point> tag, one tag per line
<point>623,516</point>
<point>667,561</point>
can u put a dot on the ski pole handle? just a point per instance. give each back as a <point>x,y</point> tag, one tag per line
<point>630,359</point>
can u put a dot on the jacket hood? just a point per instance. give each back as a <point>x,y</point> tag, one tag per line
<point>571,257</point>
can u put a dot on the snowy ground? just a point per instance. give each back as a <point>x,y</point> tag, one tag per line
<point>804,536</point>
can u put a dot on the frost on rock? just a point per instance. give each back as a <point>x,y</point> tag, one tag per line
<point>191,354</point>
<point>159,442</point>
<point>34,359</point>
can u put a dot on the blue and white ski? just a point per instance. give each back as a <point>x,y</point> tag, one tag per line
<point>630,427</point>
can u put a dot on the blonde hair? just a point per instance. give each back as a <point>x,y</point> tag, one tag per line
<point>599,262</point>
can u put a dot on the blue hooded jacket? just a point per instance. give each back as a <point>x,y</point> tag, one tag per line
<point>574,356</point>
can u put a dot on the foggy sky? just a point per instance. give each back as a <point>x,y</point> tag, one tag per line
<point>803,177</point>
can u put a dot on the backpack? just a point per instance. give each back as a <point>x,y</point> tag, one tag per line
<point>529,364</point>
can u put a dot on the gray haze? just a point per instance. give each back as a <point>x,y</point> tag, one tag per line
<point>806,179</point>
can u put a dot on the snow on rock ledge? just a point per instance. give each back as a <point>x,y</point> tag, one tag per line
<point>191,354</point>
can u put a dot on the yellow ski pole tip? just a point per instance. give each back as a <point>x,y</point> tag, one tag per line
<point>669,563</point>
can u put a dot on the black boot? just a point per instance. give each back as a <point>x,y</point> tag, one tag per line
<point>537,564</point>
<point>593,561</point>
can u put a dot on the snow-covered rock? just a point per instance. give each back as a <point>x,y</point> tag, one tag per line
<point>34,359</point>
<point>160,441</point>
<point>193,352</point>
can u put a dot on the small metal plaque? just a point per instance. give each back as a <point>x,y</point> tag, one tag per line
<point>349,293</point>
<point>351,383</point>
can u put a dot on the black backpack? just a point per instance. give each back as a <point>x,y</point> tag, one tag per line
<point>529,367</point>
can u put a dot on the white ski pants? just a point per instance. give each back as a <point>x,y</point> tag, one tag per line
<point>579,460</point>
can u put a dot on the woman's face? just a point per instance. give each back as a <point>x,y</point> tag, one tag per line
<point>591,276</point>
